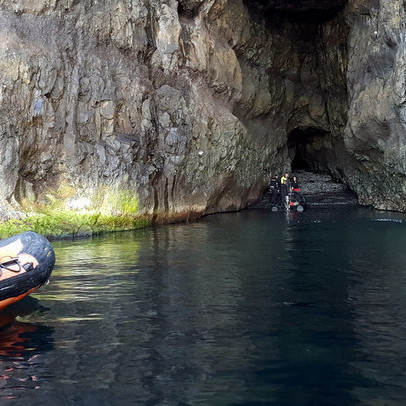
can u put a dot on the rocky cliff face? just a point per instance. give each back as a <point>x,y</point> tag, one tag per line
<point>192,104</point>
<point>375,132</point>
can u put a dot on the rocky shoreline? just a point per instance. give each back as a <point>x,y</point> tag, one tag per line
<point>319,190</point>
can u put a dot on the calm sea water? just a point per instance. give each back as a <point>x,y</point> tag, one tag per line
<point>252,308</point>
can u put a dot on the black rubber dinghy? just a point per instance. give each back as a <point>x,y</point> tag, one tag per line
<point>26,262</point>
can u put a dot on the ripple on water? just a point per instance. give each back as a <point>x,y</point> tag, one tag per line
<point>236,309</point>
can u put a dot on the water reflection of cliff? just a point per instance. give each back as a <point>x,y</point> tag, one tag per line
<point>188,310</point>
<point>138,312</point>
<point>378,296</point>
<point>230,308</point>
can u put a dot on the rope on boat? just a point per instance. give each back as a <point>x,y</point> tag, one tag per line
<point>13,264</point>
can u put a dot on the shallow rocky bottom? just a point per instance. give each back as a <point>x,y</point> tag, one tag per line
<point>319,190</point>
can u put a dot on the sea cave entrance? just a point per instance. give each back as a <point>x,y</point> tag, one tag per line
<point>312,150</point>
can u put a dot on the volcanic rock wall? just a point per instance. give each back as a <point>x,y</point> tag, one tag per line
<point>375,134</point>
<point>192,104</point>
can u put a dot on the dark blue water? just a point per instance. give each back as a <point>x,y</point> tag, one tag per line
<point>253,308</point>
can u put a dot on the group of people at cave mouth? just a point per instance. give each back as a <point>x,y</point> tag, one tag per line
<point>282,188</point>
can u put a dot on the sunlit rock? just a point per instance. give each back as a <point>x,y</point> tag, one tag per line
<point>192,105</point>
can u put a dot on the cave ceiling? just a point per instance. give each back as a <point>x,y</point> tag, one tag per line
<point>306,10</point>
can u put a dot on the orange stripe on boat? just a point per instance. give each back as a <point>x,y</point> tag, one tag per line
<point>7,302</point>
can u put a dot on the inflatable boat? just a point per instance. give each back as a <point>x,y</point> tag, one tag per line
<point>26,262</point>
<point>295,202</point>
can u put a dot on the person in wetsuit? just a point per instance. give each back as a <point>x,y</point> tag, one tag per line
<point>285,189</point>
<point>295,184</point>
<point>274,190</point>
<point>296,199</point>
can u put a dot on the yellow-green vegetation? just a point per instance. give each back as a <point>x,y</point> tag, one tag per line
<point>60,216</point>
<point>119,202</point>
<point>71,223</point>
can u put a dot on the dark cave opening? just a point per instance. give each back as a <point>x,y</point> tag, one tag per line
<point>311,11</point>
<point>310,150</point>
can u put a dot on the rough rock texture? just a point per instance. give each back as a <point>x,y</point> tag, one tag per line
<point>375,134</point>
<point>192,104</point>
<point>318,190</point>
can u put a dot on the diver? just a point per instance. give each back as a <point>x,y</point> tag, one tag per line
<point>274,188</point>
<point>295,184</point>
<point>285,190</point>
